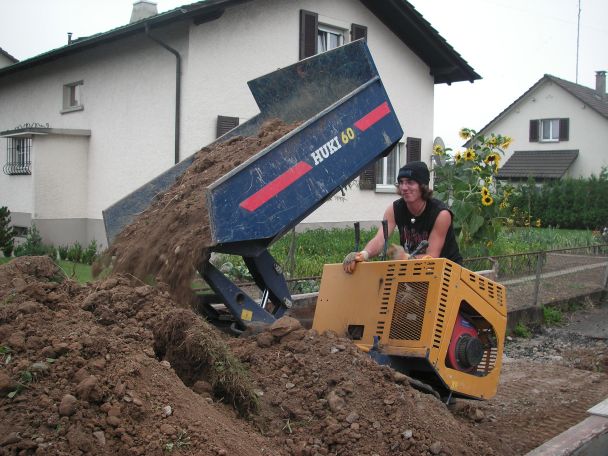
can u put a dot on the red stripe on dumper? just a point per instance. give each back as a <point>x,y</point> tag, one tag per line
<point>276,186</point>
<point>372,117</point>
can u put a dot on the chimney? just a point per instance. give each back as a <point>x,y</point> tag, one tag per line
<point>600,83</point>
<point>143,9</point>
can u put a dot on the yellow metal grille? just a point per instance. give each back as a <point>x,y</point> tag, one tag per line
<point>489,290</point>
<point>408,313</point>
<point>442,305</point>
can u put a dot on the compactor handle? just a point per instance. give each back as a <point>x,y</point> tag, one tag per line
<point>385,232</point>
<point>357,236</point>
<point>423,245</point>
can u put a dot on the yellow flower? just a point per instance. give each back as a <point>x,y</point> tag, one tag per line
<point>489,244</point>
<point>537,223</point>
<point>458,157</point>
<point>506,142</point>
<point>464,133</point>
<point>492,141</point>
<point>503,205</point>
<point>487,200</point>
<point>492,159</point>
<point>477,169</point>
<point>438,149</point>
<point>469,154</point>
<point>485,191</point>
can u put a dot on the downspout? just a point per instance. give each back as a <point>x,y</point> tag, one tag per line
<point>178,88</point>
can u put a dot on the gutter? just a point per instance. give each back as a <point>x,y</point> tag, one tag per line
<point>178,86</point>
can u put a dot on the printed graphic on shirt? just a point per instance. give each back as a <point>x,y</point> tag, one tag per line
<point>411,238</point>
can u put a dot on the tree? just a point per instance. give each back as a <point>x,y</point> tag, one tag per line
<point>7,232</point>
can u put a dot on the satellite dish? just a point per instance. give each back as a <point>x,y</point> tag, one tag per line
<point>438,142</point>
<point>438,160</point>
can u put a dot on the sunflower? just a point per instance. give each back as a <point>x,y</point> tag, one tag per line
<point>487,200</point>
<point>464,133</point>
<point>506,142</point>
<point>437,149</point>
<point>492,141</point>
<point>537,224</point>
<point>492,159</point>
<point>458,157</point>
<point>477,169</point>
<point>485,191</point>
<point>469,154</point>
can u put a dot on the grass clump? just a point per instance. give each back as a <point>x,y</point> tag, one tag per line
<point>552,316</point>
<point>522,331</point>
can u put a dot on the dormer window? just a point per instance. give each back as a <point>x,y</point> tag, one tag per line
<point>72,97</point>
<point>549,130</point>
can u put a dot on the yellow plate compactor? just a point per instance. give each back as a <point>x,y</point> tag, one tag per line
<point>430,319</point>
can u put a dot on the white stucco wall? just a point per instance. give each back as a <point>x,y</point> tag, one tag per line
<point>129,94</point>
<point>588,132</point>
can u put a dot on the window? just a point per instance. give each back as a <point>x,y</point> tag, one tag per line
<point>329,38</point>
<point>225,124</point>
<point>318,37</point>
<point>18,156</point>
<point>549,130</point>
<point>72,97</point>
<point>387,168</point>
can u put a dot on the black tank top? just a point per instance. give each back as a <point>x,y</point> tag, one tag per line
<point>413,230</point>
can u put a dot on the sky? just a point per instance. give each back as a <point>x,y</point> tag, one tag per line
<point>510,43</point>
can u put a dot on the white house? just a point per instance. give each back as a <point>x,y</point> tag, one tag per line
<point>88,123</point>
<point>559,129</point>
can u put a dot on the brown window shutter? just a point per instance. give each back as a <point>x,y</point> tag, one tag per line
<point>225,124</point>
<point>357,31</point>
<point>564,129</point>
<point>367,178</point>
<point>309,26</point>
<point>534,127</point>
<point>413,149</point>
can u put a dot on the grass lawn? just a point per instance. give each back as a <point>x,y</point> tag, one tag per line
<point>76,271</point>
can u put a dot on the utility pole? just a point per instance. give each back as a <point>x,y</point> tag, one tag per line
<point>578,34</point>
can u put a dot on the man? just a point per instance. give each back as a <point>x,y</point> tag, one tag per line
<point>418,216</point>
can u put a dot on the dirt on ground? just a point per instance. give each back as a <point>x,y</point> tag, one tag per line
<point>120,367</point>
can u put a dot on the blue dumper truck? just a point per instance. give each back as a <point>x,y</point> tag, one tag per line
<point>346,122</point>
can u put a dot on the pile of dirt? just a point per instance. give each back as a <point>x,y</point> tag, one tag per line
<point>176,223</point>
<point>115,367</point>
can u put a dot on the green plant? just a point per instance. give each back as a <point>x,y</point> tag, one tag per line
<point>75,252</point>
<point>182,440</point>
<point>521,330</point>
<point>62,250</point>
<point>467,183</point>
<point>34,246</point>
<point>552,316</point>
<point>89,255</point>
<point>7,232</point>
<point>25,378</point>
<point>5,354</point>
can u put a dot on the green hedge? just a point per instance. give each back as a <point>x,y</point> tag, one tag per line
<point>566,203</point>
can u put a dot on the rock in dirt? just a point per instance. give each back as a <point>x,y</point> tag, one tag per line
<point>284,326</point>
<point>68,405</point>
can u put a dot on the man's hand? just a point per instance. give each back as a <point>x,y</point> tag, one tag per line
<point>350,261</point>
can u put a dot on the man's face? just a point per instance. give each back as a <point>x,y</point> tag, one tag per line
<point>409,189</point>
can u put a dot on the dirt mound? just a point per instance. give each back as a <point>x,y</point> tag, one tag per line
<point>80,374</point>
<point>177,221</point>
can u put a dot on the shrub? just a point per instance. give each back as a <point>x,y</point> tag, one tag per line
<point>552,316</point>
<point>63,252</point>
<point>521,330</point>
<point>89,255</point>
<point>75,252</point>
<point>33,245</point>
<point>7,232</point>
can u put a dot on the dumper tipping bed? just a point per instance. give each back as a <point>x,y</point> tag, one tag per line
<point>347,122</point>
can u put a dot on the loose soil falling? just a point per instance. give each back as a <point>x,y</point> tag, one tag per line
<point>176,223</point>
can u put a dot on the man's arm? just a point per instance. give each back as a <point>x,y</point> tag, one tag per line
<point>374,246</point>
<point>439,233</point>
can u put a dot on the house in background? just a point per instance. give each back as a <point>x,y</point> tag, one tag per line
<point>90,122</point>
<point>6,59</point>
<point>559,129</point>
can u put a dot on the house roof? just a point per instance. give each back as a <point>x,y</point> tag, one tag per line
<point>8,56</point>
<point>539,164</point>
<point>445,64</point>
<point>585,94</point>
